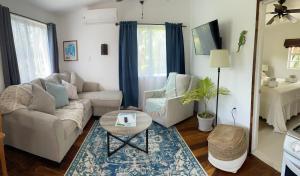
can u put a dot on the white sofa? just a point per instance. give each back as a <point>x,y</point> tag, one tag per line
<point>47,135</point>
<point>170,111</point>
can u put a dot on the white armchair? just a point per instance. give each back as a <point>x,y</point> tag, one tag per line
<point>167,110</point>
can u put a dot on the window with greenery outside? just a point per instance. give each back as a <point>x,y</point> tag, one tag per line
<point>294,58</point>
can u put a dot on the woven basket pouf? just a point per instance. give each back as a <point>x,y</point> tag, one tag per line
<point>227,147</point>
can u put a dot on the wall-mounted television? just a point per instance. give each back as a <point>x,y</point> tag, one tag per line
<point>207,37</point>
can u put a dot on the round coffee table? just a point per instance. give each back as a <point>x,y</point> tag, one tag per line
<point>108,121</point>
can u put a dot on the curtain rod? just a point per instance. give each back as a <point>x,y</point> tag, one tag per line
<point>117,24</point>
<point>28,18</point>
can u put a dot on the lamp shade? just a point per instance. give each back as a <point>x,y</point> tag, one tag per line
<point>219,58</point>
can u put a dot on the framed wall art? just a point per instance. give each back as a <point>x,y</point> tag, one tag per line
<point>70,50</point>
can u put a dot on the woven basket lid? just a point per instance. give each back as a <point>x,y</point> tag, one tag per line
<point>227,136</point>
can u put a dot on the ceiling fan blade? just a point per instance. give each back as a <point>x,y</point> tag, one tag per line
<point>293,11</point>
<point>271,20</point>
<point>291,18</point>
<point>271,13</point>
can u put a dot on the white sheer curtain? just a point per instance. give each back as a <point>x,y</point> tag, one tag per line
<point>152,68</point>
<point>31,42</point>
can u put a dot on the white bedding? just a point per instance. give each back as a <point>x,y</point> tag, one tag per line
<point>277,105</point>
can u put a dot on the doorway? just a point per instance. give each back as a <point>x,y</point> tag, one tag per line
<point>267,132</point>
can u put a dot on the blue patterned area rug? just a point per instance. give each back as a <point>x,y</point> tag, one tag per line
<point>168,155</point>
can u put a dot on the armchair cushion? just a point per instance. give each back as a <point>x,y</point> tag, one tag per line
<point>156,106</point>
<point>171,85</point>
<point>182,83</point>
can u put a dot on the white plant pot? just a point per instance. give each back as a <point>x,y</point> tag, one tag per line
<point>205,124</point>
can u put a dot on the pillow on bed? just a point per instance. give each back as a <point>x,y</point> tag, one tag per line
<point>264,75</point>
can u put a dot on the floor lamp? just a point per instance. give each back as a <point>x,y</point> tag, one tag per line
<point>219,59</point>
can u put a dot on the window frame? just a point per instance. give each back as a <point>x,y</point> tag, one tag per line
<point>35,26</point>
<point>290,59</point>
<point>152,28</point>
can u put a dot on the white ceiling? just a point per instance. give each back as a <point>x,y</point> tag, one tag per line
<point>63,5</point>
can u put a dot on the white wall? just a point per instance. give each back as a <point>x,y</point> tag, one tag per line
<point>241,16</point>
<point>29,10</point>
<point>104,69</point>
<point>274,53</point>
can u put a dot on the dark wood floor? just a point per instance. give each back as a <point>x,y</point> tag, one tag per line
<point>197,142</point>
<point>24,164</point>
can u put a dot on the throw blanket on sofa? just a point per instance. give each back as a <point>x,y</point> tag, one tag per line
<point>15,97</point>
<point>19,97</point>
<point>74,112</point>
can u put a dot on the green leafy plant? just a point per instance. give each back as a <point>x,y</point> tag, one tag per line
<point>205,91</point>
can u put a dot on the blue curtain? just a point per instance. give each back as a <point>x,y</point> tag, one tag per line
<point>8,52</point>
<point>53,48</point>
<point>175,48</point>
<point>128,63</point>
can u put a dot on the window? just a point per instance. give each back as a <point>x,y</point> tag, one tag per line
<point>31,42</point>
<point>294,58</point>
<point>152,68</point>
<point>152,50</point>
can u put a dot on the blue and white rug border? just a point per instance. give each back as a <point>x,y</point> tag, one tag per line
<point>183,141</point>
<point>82,145</point>
<point>96,124</point>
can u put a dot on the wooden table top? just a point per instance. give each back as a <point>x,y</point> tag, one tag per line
<point>143,121</point>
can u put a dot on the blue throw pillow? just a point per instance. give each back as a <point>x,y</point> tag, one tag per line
<point>59,92</point>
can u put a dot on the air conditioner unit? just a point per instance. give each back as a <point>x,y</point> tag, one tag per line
<point>100,16</point>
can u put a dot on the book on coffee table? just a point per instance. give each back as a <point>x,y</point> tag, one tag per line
<point>126,120</point>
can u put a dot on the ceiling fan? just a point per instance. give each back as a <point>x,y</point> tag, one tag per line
<point>282,12</point>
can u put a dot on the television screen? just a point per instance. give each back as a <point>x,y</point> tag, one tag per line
<point>206,37</point>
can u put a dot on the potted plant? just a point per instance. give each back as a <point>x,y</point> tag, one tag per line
<point>205,91</point>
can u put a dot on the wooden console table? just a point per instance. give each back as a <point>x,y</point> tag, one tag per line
<point>2,155</point>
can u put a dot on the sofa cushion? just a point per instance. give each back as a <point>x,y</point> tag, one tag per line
<point>59,92</point>
<point>25,99</point>
<point>41,100</point>
<point>182,83</point>
<point>54,78</point>
<point>65,76</point>
<point>103,98</point>
<point>90,87</point>
<point>77,81</point>
<point>37,82</point>
<point>71,90</point>
<point>87,105</point>
<point>69,127</point>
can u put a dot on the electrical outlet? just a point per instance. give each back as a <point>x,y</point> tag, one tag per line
<point>233,113</point>
<point>234,109</point>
